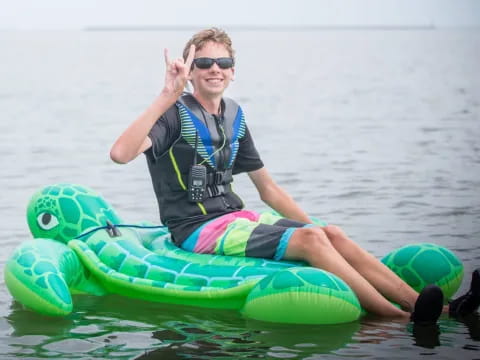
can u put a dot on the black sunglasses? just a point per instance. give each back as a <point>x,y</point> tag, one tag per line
<point>207,63</point>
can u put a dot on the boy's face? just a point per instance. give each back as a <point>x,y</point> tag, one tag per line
<point>213,81</point>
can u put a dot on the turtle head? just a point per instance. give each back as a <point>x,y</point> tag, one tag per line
<point>64,211</point>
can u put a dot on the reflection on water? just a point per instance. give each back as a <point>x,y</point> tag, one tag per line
<point>376,131</point>
<point>109,324</point>
<point>118,327</point>
<point>427,336</point>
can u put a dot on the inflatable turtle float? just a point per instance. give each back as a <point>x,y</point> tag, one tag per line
<point>81,245</point>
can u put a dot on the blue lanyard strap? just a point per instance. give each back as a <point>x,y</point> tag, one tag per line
<point>112,229</point>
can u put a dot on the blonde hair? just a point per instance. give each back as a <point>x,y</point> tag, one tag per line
<point>213,34</point>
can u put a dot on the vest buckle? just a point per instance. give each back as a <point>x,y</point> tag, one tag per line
<point>215,190</point>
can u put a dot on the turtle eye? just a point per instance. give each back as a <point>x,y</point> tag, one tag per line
<point>47,221</point>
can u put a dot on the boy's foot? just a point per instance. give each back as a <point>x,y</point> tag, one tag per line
<point>468,303</point>
<point>428,306</point>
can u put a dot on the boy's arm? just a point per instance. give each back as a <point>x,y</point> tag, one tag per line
<point>134,140</point>
<point>276,197</point>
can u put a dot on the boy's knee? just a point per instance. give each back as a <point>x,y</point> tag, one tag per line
<point>335,234</point>
<point>309,240</point>
<point>333,231</point>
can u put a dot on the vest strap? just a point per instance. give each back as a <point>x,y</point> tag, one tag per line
<point>216,182</point>
<point>220,177</point>
<point>215,190</point>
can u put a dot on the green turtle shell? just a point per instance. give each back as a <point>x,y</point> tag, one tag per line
<point>423,264</point>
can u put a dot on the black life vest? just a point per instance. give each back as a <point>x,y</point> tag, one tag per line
<point>216,140</point>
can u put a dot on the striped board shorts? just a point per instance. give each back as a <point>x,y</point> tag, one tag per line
<point>244,233</point>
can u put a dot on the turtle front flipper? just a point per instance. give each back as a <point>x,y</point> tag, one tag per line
<point>42,273</point>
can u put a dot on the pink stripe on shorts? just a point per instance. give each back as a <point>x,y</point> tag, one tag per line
<point>211,231</point>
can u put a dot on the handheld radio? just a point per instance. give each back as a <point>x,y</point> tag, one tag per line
<point>197,183</point>
<point>197,178</point>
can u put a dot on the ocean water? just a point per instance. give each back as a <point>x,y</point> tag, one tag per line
<point>374,130</point>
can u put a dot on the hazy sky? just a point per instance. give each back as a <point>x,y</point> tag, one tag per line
<point>76,14</point>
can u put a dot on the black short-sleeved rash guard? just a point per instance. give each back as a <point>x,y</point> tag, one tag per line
<point>164,135</point>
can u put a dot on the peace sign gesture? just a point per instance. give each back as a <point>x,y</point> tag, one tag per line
<point>176,74</point>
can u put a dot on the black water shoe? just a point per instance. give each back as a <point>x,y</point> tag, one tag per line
<point>428,306</point>
<point>468,303</point>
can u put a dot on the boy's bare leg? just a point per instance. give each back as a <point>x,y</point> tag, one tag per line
<point>313,246</point>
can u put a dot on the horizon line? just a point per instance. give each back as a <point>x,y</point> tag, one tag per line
<point>258,27</point>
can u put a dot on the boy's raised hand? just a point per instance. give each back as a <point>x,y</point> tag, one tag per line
<point>177,71</point>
